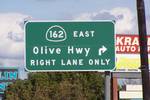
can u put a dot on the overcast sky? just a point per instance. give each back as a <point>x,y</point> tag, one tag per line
<point>14,12</point>
<point>61,9</point>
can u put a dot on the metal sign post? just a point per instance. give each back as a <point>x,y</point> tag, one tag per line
<point>107,85</point>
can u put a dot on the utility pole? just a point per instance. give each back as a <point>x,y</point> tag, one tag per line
<point>143,49</point>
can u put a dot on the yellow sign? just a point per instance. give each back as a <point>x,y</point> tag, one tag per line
<point>128,63</point>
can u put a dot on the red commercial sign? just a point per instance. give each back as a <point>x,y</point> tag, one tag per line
<point>129,44</point>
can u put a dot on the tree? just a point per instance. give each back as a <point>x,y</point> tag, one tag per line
<point>58,86</point>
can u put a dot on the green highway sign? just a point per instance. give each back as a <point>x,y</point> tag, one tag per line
<point>70,46</point>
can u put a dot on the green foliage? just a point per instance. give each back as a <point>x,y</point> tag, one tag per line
<point>58,86</point>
